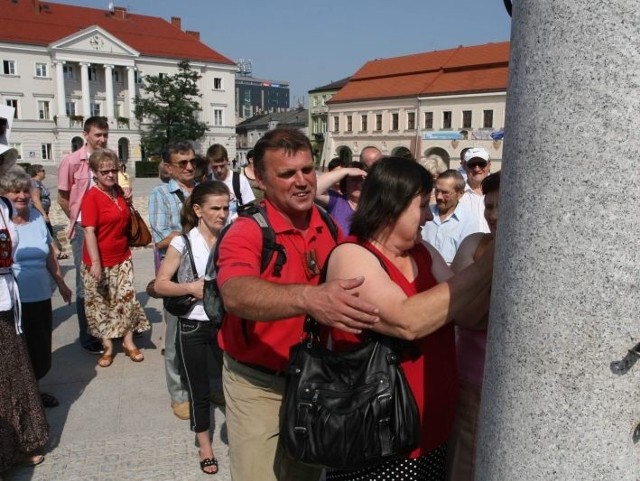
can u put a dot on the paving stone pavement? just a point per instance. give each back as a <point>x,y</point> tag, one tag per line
<point>115,423</point>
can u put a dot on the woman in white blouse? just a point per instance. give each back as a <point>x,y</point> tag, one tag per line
<point>204,214</point>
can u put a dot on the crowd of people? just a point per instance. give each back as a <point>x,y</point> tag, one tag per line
<point>412,259</point>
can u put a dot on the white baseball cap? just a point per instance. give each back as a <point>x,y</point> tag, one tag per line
<point>476,153</point>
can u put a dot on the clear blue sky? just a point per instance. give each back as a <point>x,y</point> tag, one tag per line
<point>310,44</point>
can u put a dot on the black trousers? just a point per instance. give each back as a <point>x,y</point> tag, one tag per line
<point>200,359</point>
<point>37,319</point>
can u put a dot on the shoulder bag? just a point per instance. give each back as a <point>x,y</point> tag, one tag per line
<point>181,305</point>
<point>347,409</point>
<point>137,232</point>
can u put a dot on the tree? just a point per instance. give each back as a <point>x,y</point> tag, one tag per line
<point>169,108</point>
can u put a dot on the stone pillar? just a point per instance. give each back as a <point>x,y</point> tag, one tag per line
<point>565,300</point>
<point>131,89</point>
<point>86,94</point>
<point>108,82</point>
<point>60,90</point>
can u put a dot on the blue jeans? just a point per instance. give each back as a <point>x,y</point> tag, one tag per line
<point>196,347</point>
<point>86,340</point>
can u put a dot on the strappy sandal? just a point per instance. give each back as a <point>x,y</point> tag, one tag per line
<point>134,354</point>
<point>105,360</point>
<point>30,460</point>
<point>62,256</point>
<point>207,463</point>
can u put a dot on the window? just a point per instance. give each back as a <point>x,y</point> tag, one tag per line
<point>378,122</point>
<point>487,119</point>
<point>217,83</point>
<point>314,102</point>
<point>428,120</point>
<point>466,119</point>
<point>43,110</point>
<point>137,76</point>
<point>349,123</point>
<point>9,67</point>
<point>18,147</point>
<point>93,74</point>
<point>446,119</point>
<point>217,117</point>
<point>95,109</point>
<point>13,103</point>
<point>336,124</point>
<point>42,70</point>
<point>411,121</point>
<point>116,76</point>
<point>162,75</point>
<point>364,123</point>
<point>394,121</point>
<point>69,73</point>
<point>45,151</point>
<point>70,107</point>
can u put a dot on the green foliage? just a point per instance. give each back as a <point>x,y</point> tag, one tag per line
<point>168,110</point>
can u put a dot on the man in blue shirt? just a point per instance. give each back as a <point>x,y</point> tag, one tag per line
<point>452,221</point>
<point>165,203</point>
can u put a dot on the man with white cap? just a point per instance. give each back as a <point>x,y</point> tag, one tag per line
<point>477,164</point>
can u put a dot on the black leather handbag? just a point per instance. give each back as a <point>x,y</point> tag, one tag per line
<point>181,305</point>
<point>347,409</point>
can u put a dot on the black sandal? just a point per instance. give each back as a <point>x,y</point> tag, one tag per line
<point>207,463</point>
<point>49,400</point>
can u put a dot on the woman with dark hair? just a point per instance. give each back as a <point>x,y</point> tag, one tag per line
<point>471,346</point>
<point>342,206</point>
<point>204,214</point>
<point>250,174</point>
<point>23,425</point>
<point>107,269</point>
<point>41,200</point>
<point>417,297</point>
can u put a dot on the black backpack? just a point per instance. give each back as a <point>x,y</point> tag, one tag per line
<point>211,298</point>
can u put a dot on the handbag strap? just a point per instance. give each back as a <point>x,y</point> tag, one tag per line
<point>187,244</point>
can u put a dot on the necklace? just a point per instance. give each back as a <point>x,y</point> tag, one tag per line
<point>114,198</point>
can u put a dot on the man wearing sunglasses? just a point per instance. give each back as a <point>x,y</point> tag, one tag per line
<point>477,165</point>
<point>165,203</point>
<point>74,180</point>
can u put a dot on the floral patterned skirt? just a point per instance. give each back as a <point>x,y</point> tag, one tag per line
<point>23,425</point>
<point>111,305</point>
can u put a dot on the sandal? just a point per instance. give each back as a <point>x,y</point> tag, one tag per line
<point>49,400</point>
<point>29,460</point>
<point>105,360</point>
<point>134,354</point>
<point>207,463</point>
<point>62,255</point>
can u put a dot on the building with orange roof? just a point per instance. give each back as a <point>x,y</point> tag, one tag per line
<point>427,104</point>
<point>61,64</point>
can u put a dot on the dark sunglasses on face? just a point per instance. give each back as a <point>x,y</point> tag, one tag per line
<point>108,171</point>
<point>472,165</point>
<point>183,163</point>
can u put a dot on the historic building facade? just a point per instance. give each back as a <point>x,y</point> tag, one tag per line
<point>433,103</point>
<point>61,64</point>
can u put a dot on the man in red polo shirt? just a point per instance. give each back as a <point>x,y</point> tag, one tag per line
<point>265,313</point>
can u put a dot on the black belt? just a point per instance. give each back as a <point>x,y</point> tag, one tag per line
<point>259,368</point>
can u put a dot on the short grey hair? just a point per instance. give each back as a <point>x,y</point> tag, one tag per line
<point>15,180</point>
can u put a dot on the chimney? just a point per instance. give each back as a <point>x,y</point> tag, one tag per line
<point>36,5</point>
<point>195,35</point>
<point>176,22</point>
<point>119,12</point>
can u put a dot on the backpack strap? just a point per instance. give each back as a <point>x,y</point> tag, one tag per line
<point>328,220</point>
<point>235,182</point>
<point>9,206</point>
<point>180,195</point>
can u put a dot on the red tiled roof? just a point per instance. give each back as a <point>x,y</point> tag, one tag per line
<point>23,22</point>
<point>479,68</point>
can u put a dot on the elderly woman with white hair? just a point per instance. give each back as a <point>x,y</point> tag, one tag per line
<point>23,425</point>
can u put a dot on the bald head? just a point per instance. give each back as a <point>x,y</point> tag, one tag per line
<point>370,155</point>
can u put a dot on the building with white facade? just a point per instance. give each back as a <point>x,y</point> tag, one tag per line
<point>61,64</point>
<point>433,103</point>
